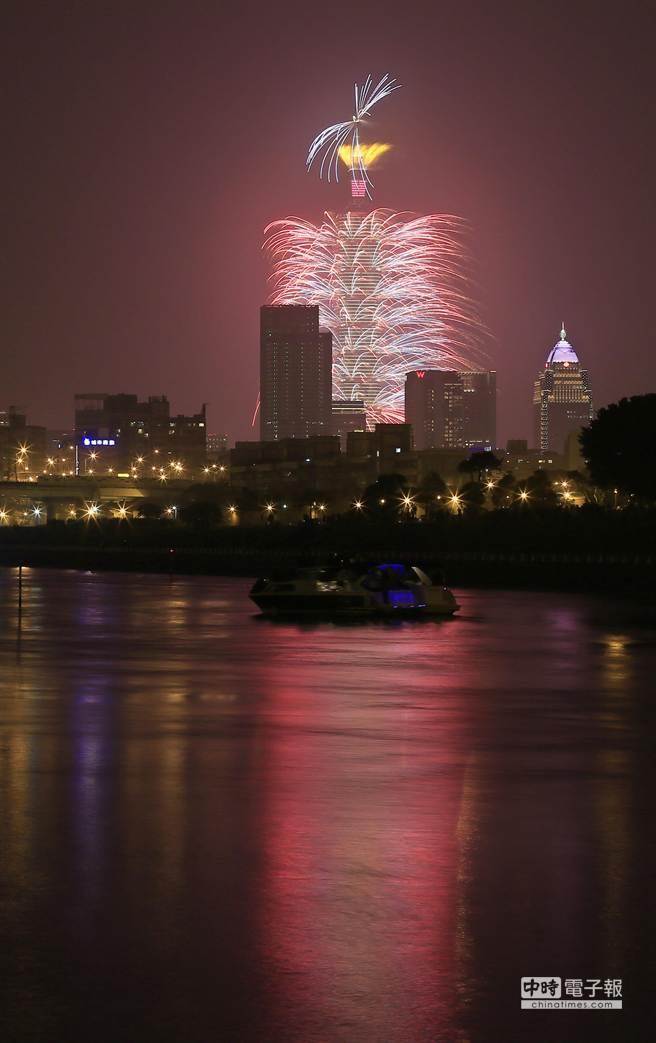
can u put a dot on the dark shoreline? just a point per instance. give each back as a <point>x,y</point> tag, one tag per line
<point>630,575</point>
<point>585,549</point>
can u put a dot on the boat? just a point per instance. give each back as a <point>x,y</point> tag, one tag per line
<point>376,589</point>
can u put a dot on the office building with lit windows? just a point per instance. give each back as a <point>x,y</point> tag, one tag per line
<point>449,409</point>
<point>295,373</point>
<point>562,397</point>
<point>119,432</point>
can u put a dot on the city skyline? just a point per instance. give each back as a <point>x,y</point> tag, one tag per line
<point>133,244</point>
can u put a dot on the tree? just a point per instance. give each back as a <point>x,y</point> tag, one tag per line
<point>431,486</point>
<point>504,490</point>
<point>541,492</point>
<point>386,493</point>
<point>202,514</point>
<point>615,444</point>
<point>479,463</point>
<point>473,496</point>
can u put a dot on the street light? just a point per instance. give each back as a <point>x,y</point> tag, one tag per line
<point>407,501</point>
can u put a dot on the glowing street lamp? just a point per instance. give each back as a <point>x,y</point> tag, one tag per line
<point>523,496</point>
<point>358,505</point>
<point>91,511</point>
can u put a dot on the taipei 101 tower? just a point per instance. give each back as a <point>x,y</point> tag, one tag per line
<point>391,287</point>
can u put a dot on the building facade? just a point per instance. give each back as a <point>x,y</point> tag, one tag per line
<point>348,415</point>
<point>479,401</point>
<point>449,409</point>
<point>562,397</point>
<point>122,434</point>
<point>295,373</point>
<point>23,446</point>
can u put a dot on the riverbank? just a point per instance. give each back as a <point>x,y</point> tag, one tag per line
<point>557,549</point>
<point>628,573</point>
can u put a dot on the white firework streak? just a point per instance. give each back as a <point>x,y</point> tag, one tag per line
<point>328,143</point>
<point>392,288</point>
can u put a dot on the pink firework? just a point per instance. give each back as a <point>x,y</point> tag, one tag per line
<point>392,288</point>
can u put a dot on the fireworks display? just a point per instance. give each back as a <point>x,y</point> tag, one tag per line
<point>342,140</point>
<point>390,287</point>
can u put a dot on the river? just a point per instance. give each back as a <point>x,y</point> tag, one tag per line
<point>215,827</point>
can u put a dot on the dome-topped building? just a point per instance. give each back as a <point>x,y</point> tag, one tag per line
<point>562,397</point>
<point>562,351</point>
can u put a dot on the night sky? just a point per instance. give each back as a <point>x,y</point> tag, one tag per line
<point>146,146</point>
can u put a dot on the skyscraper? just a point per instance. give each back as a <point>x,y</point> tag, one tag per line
<point>562,397</point>
<point>295,373</point>
<point>479,425</point>
<point>448,409</point>
<point>391,287</point>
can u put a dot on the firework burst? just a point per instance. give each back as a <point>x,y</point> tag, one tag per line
<point>391,288</point>
<point>342,140</point>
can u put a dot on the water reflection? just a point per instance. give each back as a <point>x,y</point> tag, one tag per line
<point>285,832</point>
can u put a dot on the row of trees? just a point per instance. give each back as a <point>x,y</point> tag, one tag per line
<point>617,448</point>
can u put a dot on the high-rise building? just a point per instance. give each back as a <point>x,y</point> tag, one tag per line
<point>434,407</point>
<point>295,373</point>
<point>562,397</point>
<point>448,409</point>
<point>479,401</point>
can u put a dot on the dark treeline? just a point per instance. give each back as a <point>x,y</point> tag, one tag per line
<point>582,531</point>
